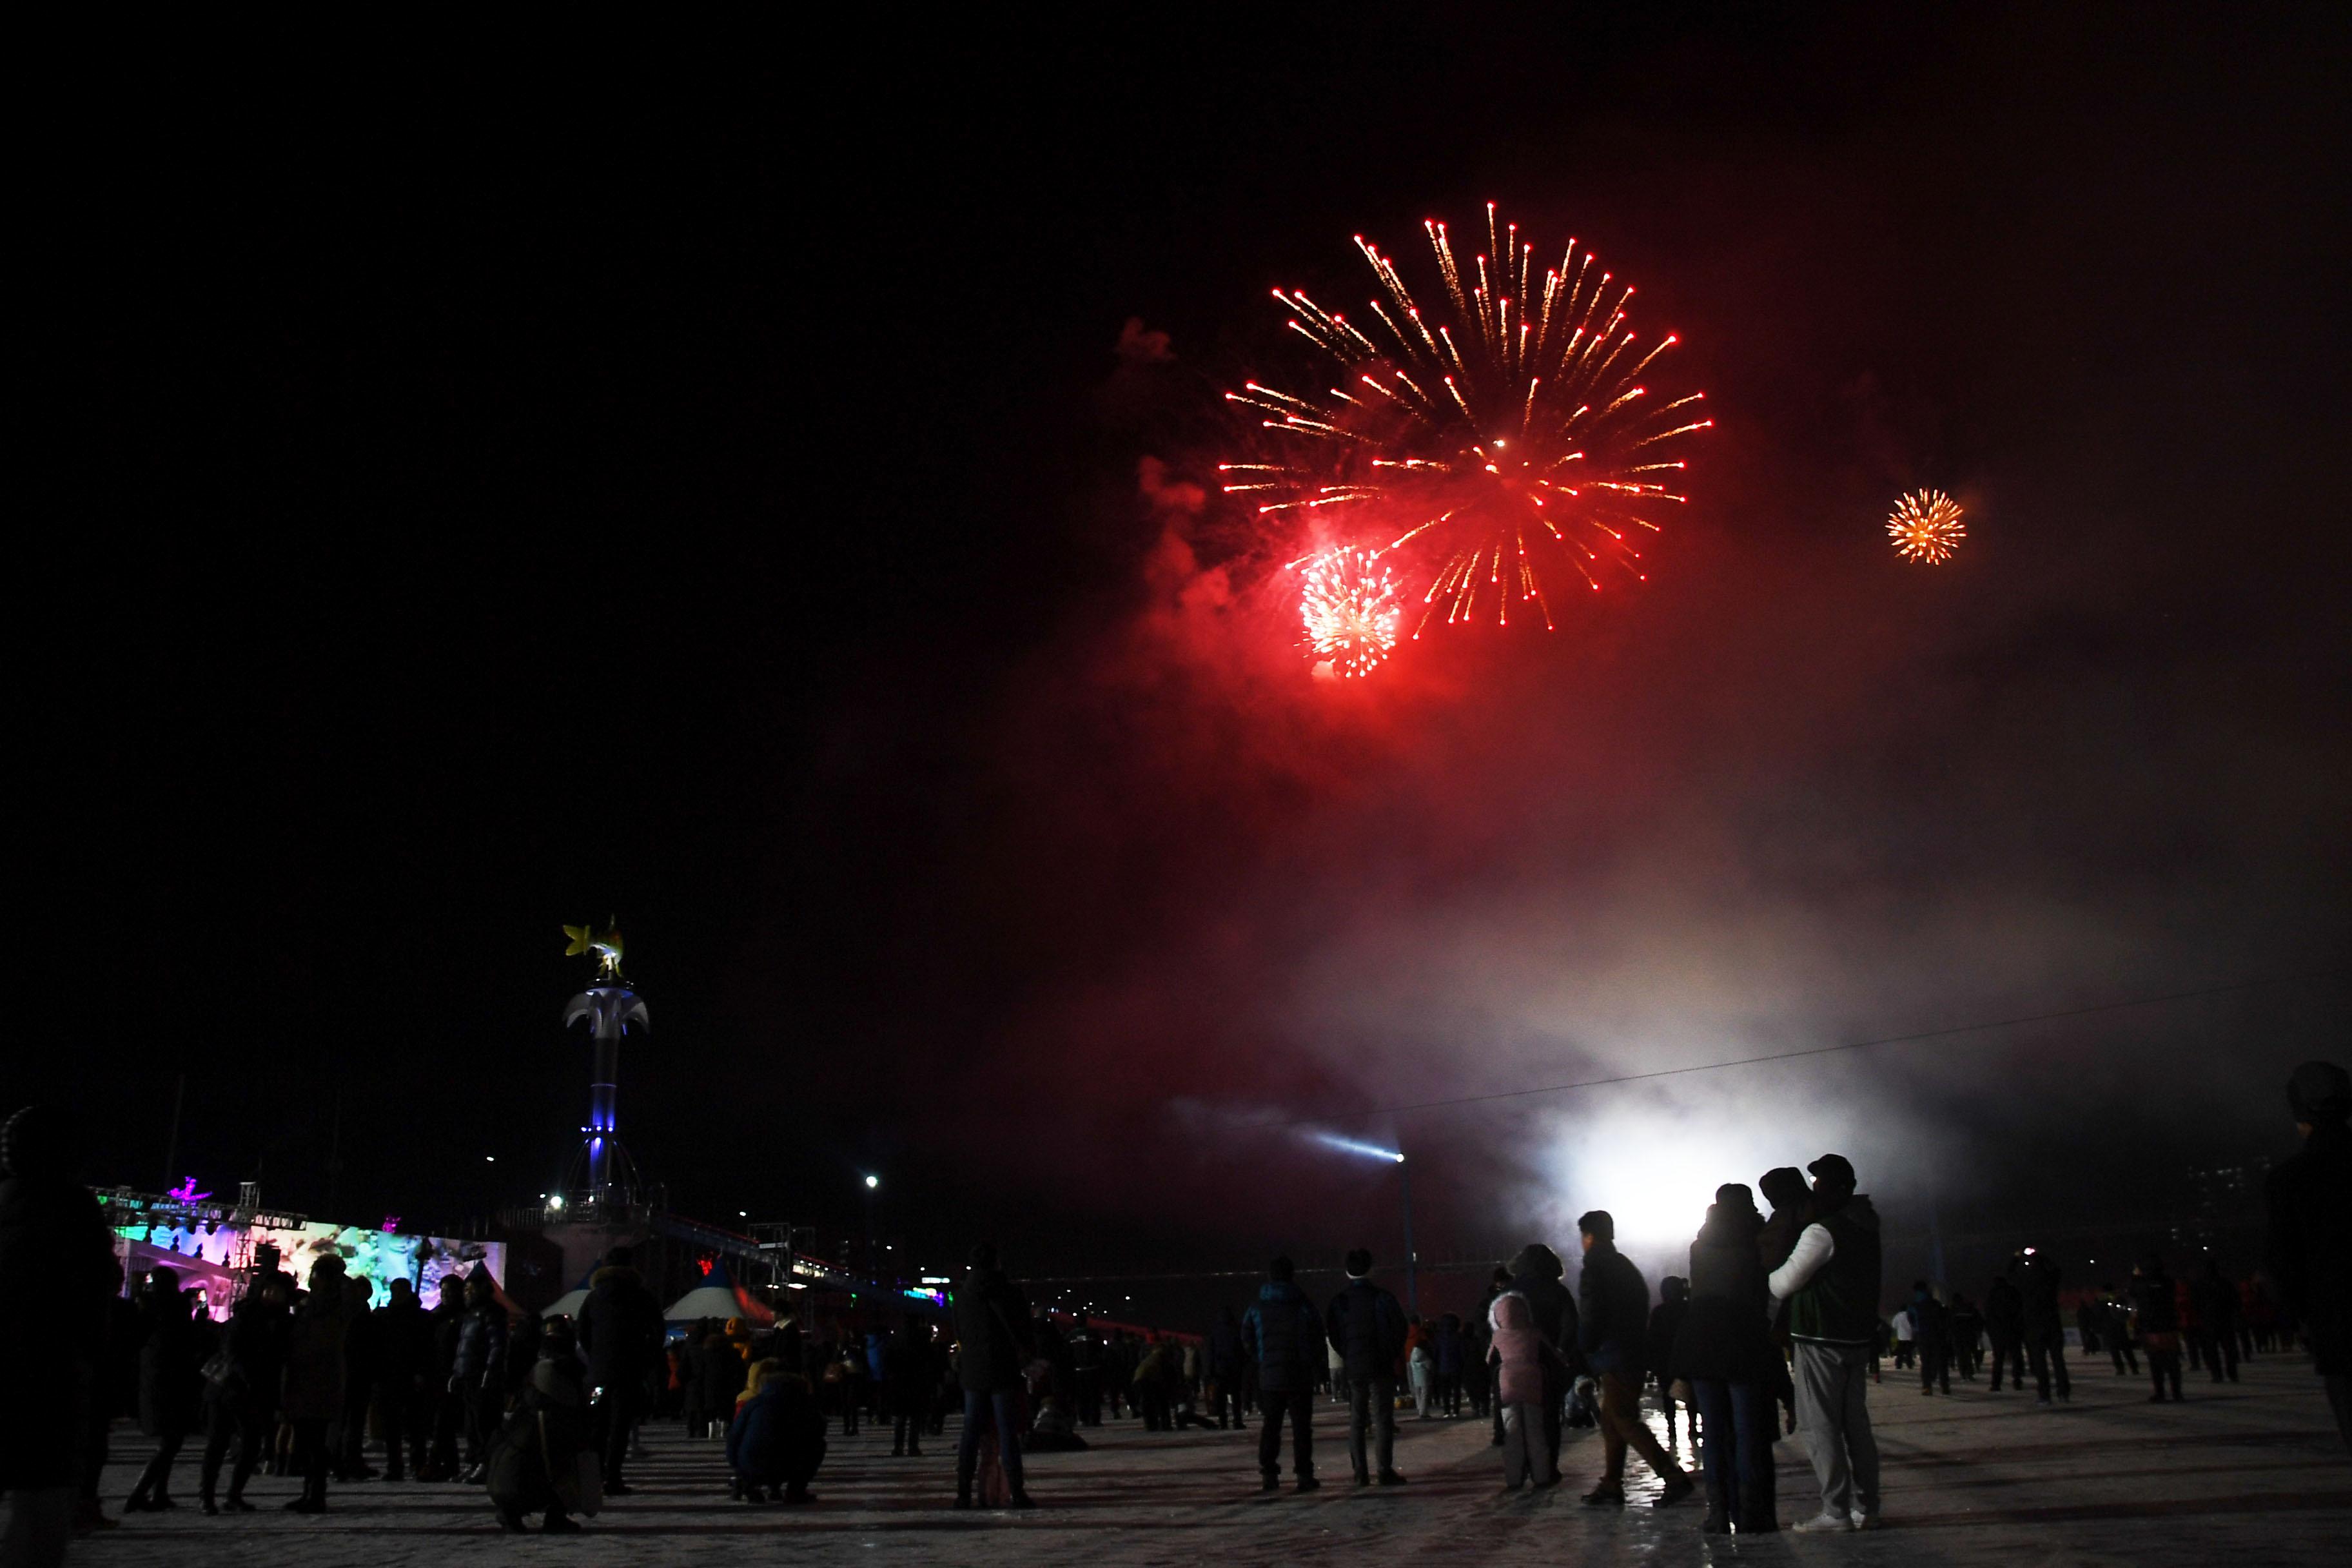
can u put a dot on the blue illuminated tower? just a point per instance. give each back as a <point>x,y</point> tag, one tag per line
<point>610,1006</point>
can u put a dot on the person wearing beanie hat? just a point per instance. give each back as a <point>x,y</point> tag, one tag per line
<point>1832,1283</point>
<point>2309,1250</point>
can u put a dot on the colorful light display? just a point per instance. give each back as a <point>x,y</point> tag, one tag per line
<point>211,1256</point>
<point>1349,609</point>
<point>1926,527</point>
<point>1493,449</point>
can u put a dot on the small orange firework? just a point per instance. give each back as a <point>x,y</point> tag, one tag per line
<point>1498,447</point>
<point>1926,526</point>
<point>1349,609</point>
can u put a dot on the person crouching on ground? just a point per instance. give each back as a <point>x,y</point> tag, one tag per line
<point>1524,1366</point>
<point>534,1465</point>
<point>777,1440</point>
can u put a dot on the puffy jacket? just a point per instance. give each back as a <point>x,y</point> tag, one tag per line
<point>1613,1301</point>
<point>481,1345</point>
<point>1517,1350</point>
<point>1536,1274</point>
<point>2037,1282</point>
<point>776,1426</point>
<point>1839,1305</point>
<point>2004,1312</point>
<point>534,1461</point>
<point>992,1321</point>
<point>2155,1305</point>
<point>1367,1327</point>
<point>621,1330</point>
<point>1726,1333</point>
<point>1224,1347</point>
<point>314,1353</point>
<point>1284,1335</point>
<point>2309,1249</point>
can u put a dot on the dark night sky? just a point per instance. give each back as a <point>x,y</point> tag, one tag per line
<point>701,484</point>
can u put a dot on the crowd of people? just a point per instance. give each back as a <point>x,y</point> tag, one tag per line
<point>1776,1327</point>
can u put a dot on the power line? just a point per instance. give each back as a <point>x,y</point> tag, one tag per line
<point>1796,1055</point>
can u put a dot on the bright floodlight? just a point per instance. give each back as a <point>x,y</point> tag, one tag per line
<point>873,1181</point>
<point>1333,1141</point>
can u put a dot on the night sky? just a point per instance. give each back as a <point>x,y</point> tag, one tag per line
<point>720,486</point>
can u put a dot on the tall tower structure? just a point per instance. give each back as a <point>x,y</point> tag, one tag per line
<point>609,1006</point>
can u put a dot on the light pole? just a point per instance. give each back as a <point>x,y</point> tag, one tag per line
<point>873,1186</point>
<point>1404,1179</point>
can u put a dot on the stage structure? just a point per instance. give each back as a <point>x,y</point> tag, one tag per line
<point>603,1179</point>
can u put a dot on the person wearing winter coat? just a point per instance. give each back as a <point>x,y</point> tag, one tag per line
<point>621,1330</point>
<point>1446,1342</point>
<point>991,1320</point>
<point>404,1356</point>
<point>446,1323</point>
<point>909,1372</point>
<point>2309,1249</point>
<point>1525,1366</point>
<point>312,1397</point>
<point>2004,1319</point>
<point>1283,1334</point>
<point>1931,1335</point>
<point>1536,1274</point>
<point>1658,1355</point>
<point>2156,1321</point>
<point>534,1465</point>
<point>241,1390</point>
<point>777,1439</point>
<point>477,1374</point>
<point>59,1280</point>
<point>2045,1325</point>
<point>171,1384</point>
<point>1365,1325</point>
<point>1613,1303</point>
<point>1421,1368</point>
<point>1224,1368</point>
<point>1832,1283</point>
<point>1724,1347</point>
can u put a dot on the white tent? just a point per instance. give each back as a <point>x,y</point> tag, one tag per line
<point>568,1304</point>
<point>704,1301</point>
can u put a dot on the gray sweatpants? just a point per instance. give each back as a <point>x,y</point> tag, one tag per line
<point>1834,1421</point>
<point>1526,1456</point>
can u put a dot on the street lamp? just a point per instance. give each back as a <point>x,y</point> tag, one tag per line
<point>873,1186</point>
<point>1404,1181</point>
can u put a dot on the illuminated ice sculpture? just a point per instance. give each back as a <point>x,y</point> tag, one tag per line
<point>609,1006</point>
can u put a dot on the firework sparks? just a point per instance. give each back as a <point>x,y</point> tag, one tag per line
<point>1349,609</point>
<point>1926,526</point>
<point>1496,448</point>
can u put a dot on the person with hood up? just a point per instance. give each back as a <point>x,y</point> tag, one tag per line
<point>620,1329</point>
<point>1283,1334</point>
<point>1832,1283</point>
<point>777,1438</point>
<point>2309,1247</point>
<point>1614,1304</point>
<point>59,1280</point>
<point>1536,1274</point>
<point>313,1397</point>
<point>1724,1347</point>
<point>1526,1367</point>
<point>1365,1325</point>
<point>992,1321</point>
<point>535,1460</point>
<point>171,1384</point>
